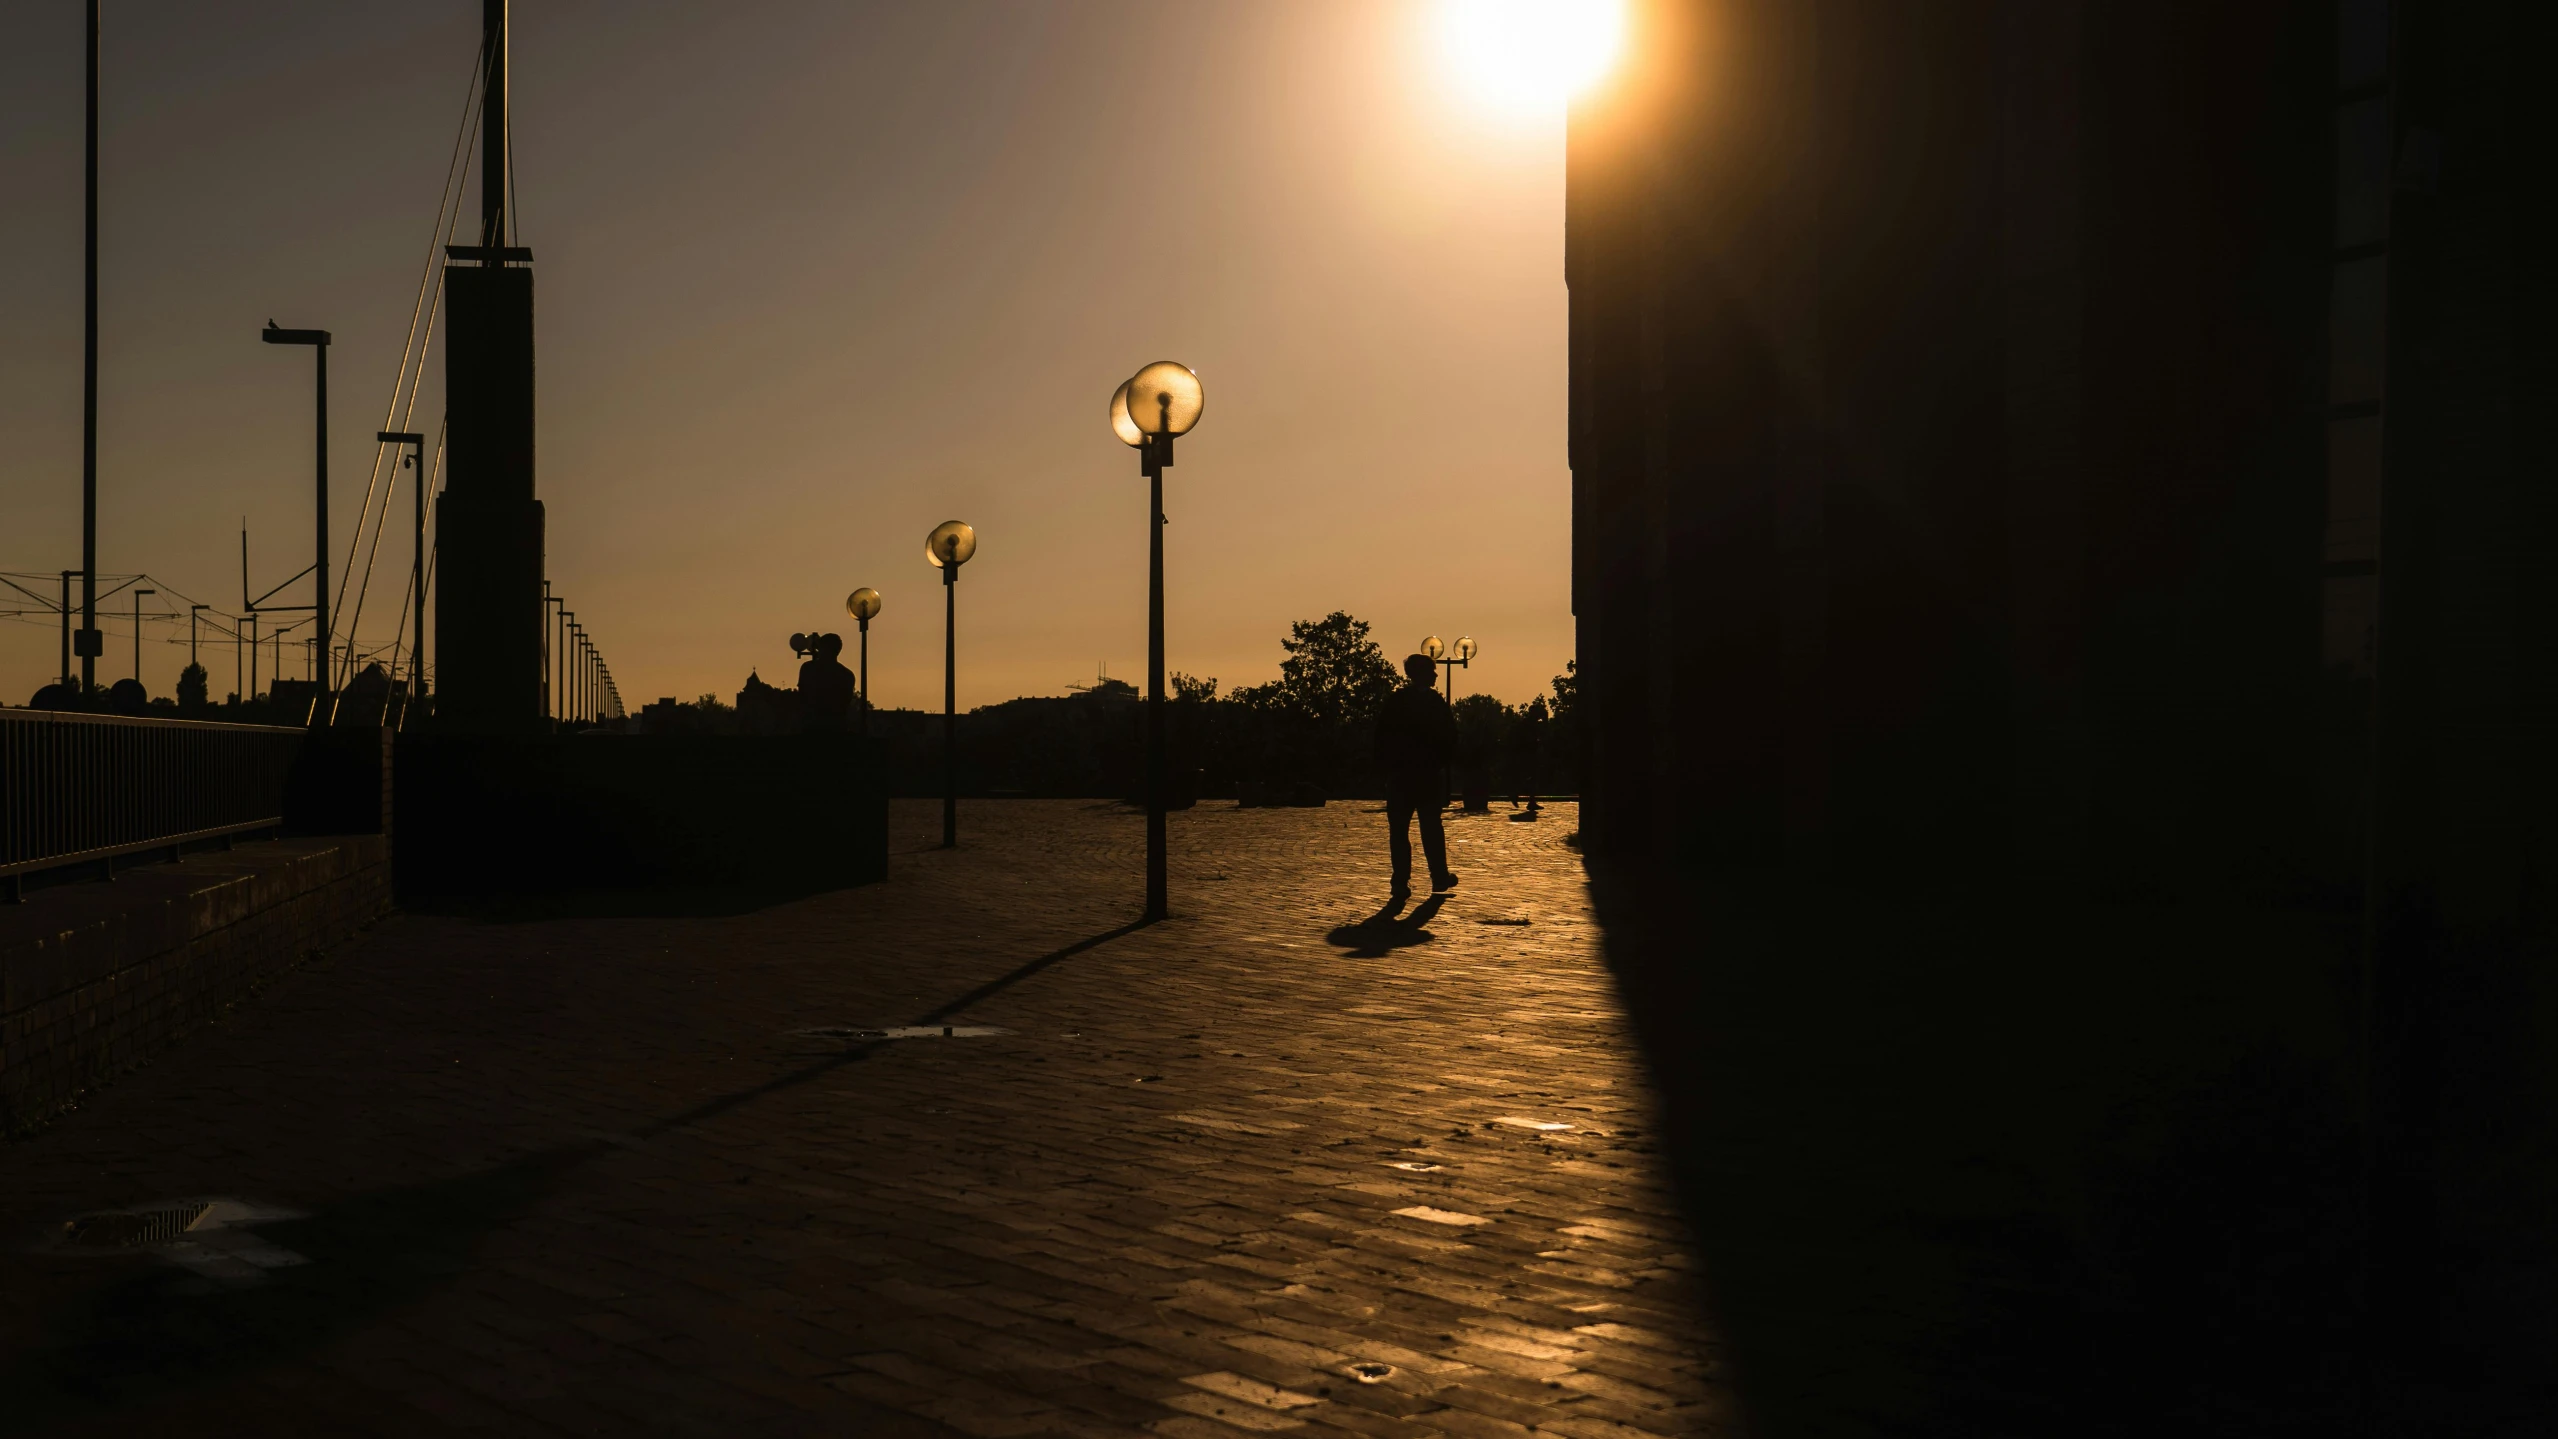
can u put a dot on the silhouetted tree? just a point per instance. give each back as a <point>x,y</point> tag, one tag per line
<point>1334,672</point>
<point>192,688</point>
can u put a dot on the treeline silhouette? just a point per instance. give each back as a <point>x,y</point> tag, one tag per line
<point>1301,738</point>
<point>369,698</point>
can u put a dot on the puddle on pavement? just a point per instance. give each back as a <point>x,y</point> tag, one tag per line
<point>902,1031</point>
<point>212,1236</point>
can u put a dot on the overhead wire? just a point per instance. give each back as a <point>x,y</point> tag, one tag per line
<point>421,309</point>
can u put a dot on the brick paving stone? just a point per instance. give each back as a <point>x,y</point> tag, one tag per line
<point>624,1167</point>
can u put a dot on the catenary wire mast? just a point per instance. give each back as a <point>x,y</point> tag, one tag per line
<point>89,643</point>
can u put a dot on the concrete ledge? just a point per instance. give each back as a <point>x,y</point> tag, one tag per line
<point>96,978</point>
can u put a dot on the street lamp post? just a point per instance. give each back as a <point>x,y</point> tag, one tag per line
<point>318,340</point>
<point>137,632</point>
<point>949,546</point>
<point>863,605</point>
<point>195,612</point>
<point>417,581</point>
<point>89,644</point>
<point>1156,404</point>
<point>1450,660</point>
<point>554,632</point>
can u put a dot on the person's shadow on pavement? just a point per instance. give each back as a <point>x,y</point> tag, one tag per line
<point>1382,933</point>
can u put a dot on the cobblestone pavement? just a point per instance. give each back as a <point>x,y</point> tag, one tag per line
<point>1261,1168</point>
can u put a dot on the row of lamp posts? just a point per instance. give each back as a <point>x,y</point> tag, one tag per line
<point>1147,412</point>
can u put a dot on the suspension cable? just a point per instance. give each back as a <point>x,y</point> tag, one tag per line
<point>457,163</point>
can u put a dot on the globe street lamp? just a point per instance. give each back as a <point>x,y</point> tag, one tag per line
<point>1450,660</point>
<point>863,604</point>
<point>948,547</point>
<point>1156,404</point>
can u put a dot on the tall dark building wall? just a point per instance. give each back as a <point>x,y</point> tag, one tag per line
<point>2047,474</point>
<point>488,651</point>
<point>1946,434</point>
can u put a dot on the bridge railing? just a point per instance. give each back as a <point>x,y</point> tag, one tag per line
<point>77,788</point>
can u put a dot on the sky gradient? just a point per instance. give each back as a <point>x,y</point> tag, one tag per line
<point>811,279</point>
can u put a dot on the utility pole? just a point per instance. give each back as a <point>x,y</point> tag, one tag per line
<point>89,642</point>
<point>66,625</point>
<point>137,632</point>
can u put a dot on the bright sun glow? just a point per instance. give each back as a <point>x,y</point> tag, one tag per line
<point>1530,57</point>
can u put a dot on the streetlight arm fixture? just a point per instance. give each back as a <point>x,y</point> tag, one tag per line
<point>415,460</point>
<point>318,340</point>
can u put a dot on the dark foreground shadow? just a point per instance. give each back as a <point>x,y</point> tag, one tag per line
<point>1382,933</point>
<point>670,902</point>
<point>1982,1165</point>
<point>163,1332</point>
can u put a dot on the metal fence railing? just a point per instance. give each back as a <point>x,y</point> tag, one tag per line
<point>76,788</point>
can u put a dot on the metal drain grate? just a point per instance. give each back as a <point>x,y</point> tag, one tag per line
<point>131,1229</point>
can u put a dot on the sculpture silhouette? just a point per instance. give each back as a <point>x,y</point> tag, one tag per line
<point>826,688</point>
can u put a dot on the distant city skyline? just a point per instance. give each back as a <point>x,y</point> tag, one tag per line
<point>814,278</point>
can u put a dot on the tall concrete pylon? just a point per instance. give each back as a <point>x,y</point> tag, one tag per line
<point>489,526</point>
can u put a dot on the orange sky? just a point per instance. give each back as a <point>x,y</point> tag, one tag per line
<point>812,278</point>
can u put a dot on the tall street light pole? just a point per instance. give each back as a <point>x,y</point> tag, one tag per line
<point>66,625</point>
<point>949,546</point>
<point>318,340</point>
<point>137,632</point>
<point>415,460</point>
<point>1159,402</point>
<point>1449,662</point>
<point>863,605</point>
<point>89,643</point>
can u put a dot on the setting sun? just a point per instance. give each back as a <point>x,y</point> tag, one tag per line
<point>1529,57</point>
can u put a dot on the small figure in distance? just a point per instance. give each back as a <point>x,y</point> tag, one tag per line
<point>1416,737</point>
<point>825,686</point>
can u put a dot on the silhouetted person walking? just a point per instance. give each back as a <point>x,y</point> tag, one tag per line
<point>1416,736</point>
